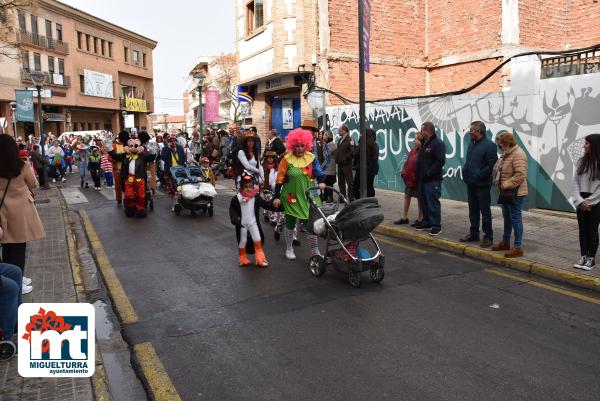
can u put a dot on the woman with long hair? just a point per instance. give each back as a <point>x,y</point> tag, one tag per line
<point>18,216</point>
<point>586,197</point>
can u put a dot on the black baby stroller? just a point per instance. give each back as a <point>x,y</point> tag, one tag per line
<point>344,227</point>
<point>7,347</point>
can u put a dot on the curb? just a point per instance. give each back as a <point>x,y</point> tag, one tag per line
<point>535,268</point>
<point>99,380</point>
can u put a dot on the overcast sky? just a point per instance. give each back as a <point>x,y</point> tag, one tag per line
<point>184,30</point>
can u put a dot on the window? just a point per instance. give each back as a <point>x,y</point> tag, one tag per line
<point>37,62</point>
<point>34,25</point>
<point>136,56</point>
<point>22,26</point>
<point>126,53</point>
<point>254,16</point>
<point>143,59</point>
<point>61,66</point>
<point>110,49</point>
<point>87,42</point>
<point>79,40</point>
<point>59,32</point>
<point>51,64</point>
<point>97,126</point>
<point>49,29</point>
<point>25,59</point>
<point>81,84</point>
<point>95,45</point>
<point>102,45</point>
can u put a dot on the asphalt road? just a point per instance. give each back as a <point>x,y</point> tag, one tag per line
<point>439,327</point>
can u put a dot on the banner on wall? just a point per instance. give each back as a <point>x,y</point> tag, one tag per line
<point>24,106</point>
<point>134,104</point>
<point>287,113</point>
<point>98,84</point>
<point>211,107</point>
<point>550,125</point>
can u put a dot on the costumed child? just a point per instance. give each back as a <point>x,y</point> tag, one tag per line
<point>296,173</point>
<point>207,170</point>
<point>107,167</point>
<point>81,161</point>
<point>244,215</point>
<point>94,163</point>
<point>68,158</point>
<point>133,171</point>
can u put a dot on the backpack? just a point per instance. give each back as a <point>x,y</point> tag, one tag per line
<point>57,160</point>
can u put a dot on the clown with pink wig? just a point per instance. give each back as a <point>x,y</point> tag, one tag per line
<point>297,171</point>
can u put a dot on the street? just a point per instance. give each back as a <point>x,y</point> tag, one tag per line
<point>439,326</point>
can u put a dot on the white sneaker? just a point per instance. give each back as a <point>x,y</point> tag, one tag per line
<point>26,280</point>
<point>289,254</point>
<point>26,289</point>
<point>580,263</point>
<point>64,180</point>
<point>54,180</point>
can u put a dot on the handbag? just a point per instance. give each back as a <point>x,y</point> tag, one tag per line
<point>1,204</point>
<point>507,197</point>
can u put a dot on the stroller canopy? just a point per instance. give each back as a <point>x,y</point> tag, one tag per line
<point>359,218</point>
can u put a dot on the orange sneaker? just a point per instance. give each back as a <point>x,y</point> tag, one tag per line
<point>261,259</point>
<point>244,261</point>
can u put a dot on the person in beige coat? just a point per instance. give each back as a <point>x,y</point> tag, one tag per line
<point>18,215</point>
<point>510,179</point>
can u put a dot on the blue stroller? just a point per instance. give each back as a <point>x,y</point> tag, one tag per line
<point>193,190</point>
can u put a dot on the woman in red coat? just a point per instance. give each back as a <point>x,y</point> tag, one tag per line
<point>410,180</point>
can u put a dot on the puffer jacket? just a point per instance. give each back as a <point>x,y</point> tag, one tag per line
<point>513,171</point>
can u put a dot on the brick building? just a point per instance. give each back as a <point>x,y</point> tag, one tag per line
<point>95,71</point>
<point>417,47</point>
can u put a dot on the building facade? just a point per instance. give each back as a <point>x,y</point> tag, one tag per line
<point>417,47</point>
<point>96,72</point>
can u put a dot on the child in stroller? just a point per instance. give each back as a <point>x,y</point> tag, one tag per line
<point>194,190</point>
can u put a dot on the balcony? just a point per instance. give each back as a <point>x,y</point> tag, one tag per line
<point>51,79</point>
<point>33,39</point>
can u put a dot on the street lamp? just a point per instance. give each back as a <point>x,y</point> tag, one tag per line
<point>124,114</point>
<point>200,77</point>
<point>38,79</point>
<point>13,107</point>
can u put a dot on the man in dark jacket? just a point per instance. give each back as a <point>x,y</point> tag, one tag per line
<point>430,164</point>
<point>477,174</point>
<point>275,143</point>
<point>343,159</point>
<point>39,164</point>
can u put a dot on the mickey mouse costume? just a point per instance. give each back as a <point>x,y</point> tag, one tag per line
<point>133,172</point>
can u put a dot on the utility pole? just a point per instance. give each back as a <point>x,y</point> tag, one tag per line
<point>362,100</point>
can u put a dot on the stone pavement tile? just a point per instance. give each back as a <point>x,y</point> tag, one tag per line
<point>49,267</point>
<point>547,239</point>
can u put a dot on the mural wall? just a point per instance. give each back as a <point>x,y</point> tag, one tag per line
<point>549,118</point>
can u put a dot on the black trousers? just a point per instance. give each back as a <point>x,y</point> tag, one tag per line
<point>96,177</point>
<point>345,180</point>
<point>370,185</point>
<point>40,173</point>
<point>14,254</point>
<point>328,193</point>
<point>588,230</point>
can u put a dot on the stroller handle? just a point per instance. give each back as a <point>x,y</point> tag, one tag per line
<point>309,195</point>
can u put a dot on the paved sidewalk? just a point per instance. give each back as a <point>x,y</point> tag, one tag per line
<point>49,267</point>
<point>549,240</point>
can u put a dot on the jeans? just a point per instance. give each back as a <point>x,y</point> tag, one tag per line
<point>109,179</point>
<point>513,221</point>
<point>479,204</point>
<point>588,230</point>
<point>11,281</point>
<point>429,194</point>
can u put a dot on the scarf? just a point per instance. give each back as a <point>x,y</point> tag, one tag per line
<point>247,195</point>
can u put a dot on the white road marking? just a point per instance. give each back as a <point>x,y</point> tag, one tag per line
<point>73,196</point>
<point>109,193</point>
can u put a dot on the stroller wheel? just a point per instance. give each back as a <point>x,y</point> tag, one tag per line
<point>354,278</point>
<point>7,349</point>
<point>266,218</point>
<point>317,265</point>
<point>211,210</point>
<point>177,210</point>
<point>377,273</point>
<point>151,204</point>
<point>276,235</point>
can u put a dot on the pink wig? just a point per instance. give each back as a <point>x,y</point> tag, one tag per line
<point>299,136</point>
